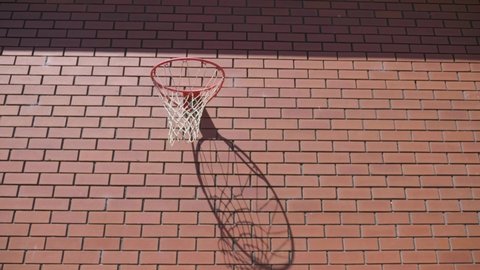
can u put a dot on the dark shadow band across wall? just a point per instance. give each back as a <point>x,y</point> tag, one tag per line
<point>359,29</point>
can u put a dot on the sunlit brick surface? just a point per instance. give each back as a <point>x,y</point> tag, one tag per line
<point>345,137</point>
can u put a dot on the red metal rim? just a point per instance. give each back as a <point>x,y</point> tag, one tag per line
<point>153,75</point>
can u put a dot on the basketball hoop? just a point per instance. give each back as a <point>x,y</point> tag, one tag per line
<point>185,86</point>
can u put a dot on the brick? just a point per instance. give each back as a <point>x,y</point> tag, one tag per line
<point>437,181</point>
<point>80,167</point>
<point>111,167</point>
<point>121,204</point>
<point>419,257</point>
<point>360,244</point>
<point>331,83</point>
<point>350,257</point>
<point>105,218</point>
<point>393,218</point>
<point>50,121</point>
<point>396,243</point>
<point>35,191</point>
<point>304,206</point>
<point>87,204</point>
<point>65,155</point>
<point>427,218</point>
<point>203,230</point>
<point>25,79</point>
<point>455,257</point>
<point>15,229</point>
<point>26,243</point>
<point>142,218</point>
<point>8,190</point>
<point>460,218</point>
<point>315,193</point>
<point>338,65</point>
<point>68,217</point>
<point>427,193</point>
<point>97,155</point>
<point>447,205</point>
<point>48,230</point>
<point>311,257</point>
<point>82,230</point>
<point>153,257</point>
<point>48,179</point>
<point>353,193</point>
<point>413,205</point>
<point>43,257</point>
<point>357,218</point>
<point>32,217</point>
<point>378,231</point>
<point>373,206</point>
<point>352,169</point>
<point>414,230</point>
<point>51,204</point>
<point>449,230</point>
<point>345,124</point>
<point>140,244</point>
<point>464,243</point>
<point>120,257</point>
<point>101,243</point>
<point>333,158</point>
<point>343,205</point>
<point>472,231</point>
<point>382,257</point>
<point>16,121</point>
<point>385,169</point>
<point>82,257</point>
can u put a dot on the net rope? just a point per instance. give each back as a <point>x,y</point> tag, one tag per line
<point>185,87</point>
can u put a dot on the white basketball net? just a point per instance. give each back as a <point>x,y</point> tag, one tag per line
<point>185,87</point>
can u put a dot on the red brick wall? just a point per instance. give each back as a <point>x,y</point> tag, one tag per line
<point>347,136</point>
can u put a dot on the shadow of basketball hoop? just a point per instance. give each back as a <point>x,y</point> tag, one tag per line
<point>252,223</point>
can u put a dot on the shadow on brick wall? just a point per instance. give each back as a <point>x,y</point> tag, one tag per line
<point>247,28</point>
<point>254,229</point>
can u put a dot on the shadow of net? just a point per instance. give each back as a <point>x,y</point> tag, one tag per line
<point>254,232</point>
